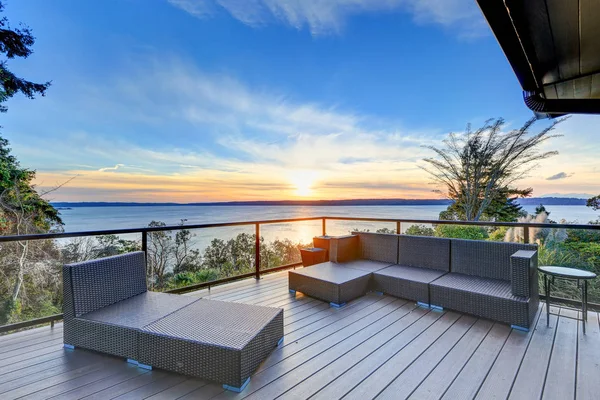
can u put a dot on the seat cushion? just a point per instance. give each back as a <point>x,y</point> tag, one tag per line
<point>331,272</point>
<point>406,282</point>
<point>366,265</point>
<point>484,297</point>
<point>140,310</point>
<point>474,284</point>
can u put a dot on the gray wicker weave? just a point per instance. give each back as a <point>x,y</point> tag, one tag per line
<point>492,280</point>
<point>366,265</point>
<point>216,340</point>
<point>483,258</point>
<point>330,282</point>
<point>406,282</point>
<point>378,247</point>
<point>93,288</point>
<point>424,252</point>
<point>108,309</point>
<point>421,261</point>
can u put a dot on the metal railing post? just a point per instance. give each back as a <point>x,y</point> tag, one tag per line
<point>324,222</point>
<point>526,234</point>
<point>145,241</point>
<point>398,227</point>
<point>257,253</point>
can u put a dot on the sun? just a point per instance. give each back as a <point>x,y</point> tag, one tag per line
<point>303,182</point>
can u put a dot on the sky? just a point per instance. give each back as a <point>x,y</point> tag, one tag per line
<point>219,100</point>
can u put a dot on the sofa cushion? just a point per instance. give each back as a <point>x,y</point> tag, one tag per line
<point>405,281</point>
<point>475,284</point>
<point>423,251</point>
<point>378,247</point>
<point>483,297</point>
<point>365,265</point>
<point>484,259</point>
<point>140,310</point>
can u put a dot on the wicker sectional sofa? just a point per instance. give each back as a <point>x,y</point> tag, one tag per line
<point>347,275</point>
<point>107,308</point>
<point>492,280</point>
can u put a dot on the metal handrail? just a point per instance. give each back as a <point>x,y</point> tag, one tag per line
<point>258,272</point>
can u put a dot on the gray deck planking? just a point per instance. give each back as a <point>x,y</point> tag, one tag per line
<point>374,346</point>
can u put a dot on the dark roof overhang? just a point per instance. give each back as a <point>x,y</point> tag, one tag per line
<point>553,47</point>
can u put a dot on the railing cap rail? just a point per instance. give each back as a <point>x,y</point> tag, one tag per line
<point>147,229</point>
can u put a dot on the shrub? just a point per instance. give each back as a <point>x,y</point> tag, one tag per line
<point>461,232</point>
<point>420,230</point>
<point>498,235</point>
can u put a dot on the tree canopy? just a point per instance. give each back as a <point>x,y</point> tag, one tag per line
<point>478,169</point>
<point>16,43</point>
<point>22,209</point>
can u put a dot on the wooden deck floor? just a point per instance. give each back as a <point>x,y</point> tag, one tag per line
<point>375,347</point>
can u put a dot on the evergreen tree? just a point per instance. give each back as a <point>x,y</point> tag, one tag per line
<point>16,43</point>
<point>478,170</point>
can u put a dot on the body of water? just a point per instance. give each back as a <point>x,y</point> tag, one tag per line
<point>100,218</point>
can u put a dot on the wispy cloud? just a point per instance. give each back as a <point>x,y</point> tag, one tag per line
<point>116,167</point>
<point>212,138</point>
<point>560,175</point>
<point>324,17</point>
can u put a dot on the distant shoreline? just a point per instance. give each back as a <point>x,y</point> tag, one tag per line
<point>547,201</point>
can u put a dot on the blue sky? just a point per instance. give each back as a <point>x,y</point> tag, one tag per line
<point>203,100</point>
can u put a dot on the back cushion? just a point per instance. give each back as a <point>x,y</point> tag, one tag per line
<point>379,247</point>
<point>425,252</point>
<point>484,259</point>
<point>105,281</point>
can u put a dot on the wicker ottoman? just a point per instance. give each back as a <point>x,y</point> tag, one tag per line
<point>330,282</point>
<point>216,340</point>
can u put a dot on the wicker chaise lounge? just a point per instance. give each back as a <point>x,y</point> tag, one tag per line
<point>107,308</point>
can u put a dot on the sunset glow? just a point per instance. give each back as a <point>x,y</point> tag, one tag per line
<point>303,182</point>
<point>322,102</point>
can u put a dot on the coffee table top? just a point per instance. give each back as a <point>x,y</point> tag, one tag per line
<point>564,272</point>
<point>213,322</point>
<point>331,272</point>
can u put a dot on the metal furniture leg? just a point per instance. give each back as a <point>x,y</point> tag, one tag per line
<point>547,290</point>
<point>583,304</point>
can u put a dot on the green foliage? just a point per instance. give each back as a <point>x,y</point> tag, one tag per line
<point>380,230</point>
<point>502,208</point>
<point>594,203</point>
<point>16,43</point>
<point>498,235</point>
<point>589,253</point>
<point>22,209</point>
<point>582,236</point>
<point>420,230</point>
<point>188,278</point>
<point>461,232</point>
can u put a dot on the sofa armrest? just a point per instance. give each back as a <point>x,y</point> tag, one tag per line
<point>344,248</point>
<point>523,272</point>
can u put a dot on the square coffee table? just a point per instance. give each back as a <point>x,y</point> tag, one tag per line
<point>215,340</point>
<point>330,282</point>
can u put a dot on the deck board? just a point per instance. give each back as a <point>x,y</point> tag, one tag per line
<point>375,346</point>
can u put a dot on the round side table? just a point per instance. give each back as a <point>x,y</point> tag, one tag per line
<point>581,276</point>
